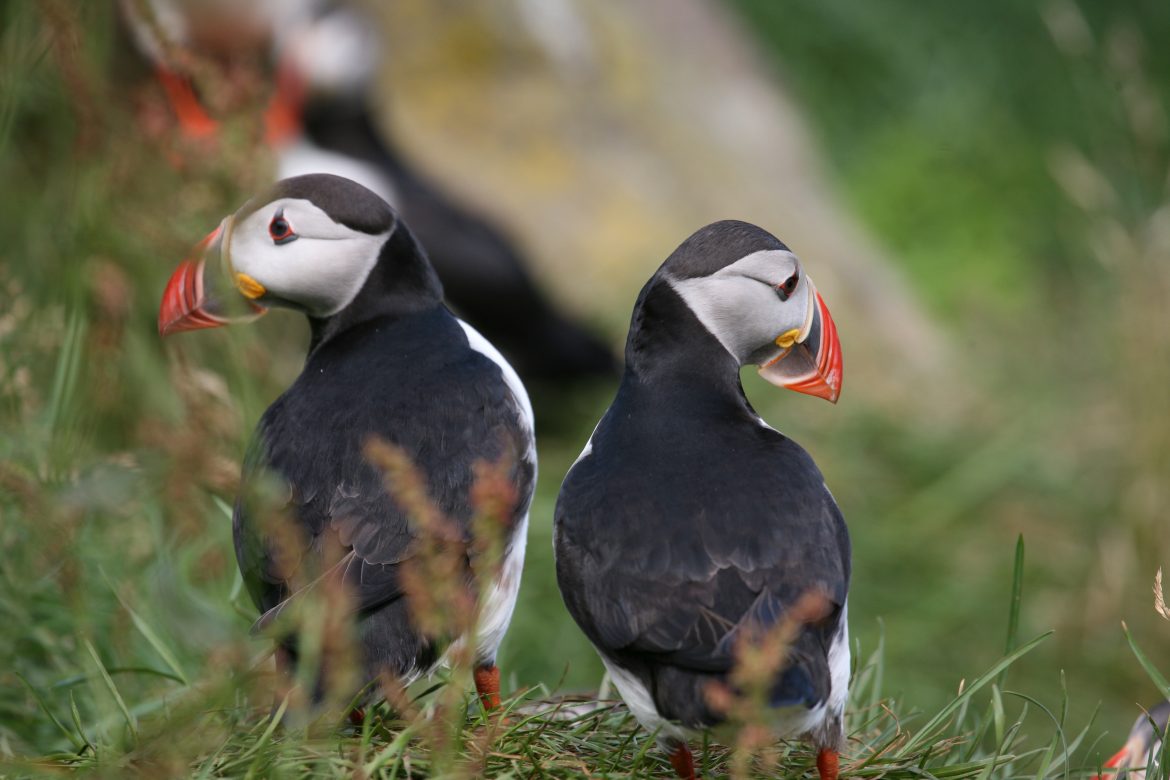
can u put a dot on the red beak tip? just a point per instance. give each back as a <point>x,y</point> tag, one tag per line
<point>183,304</point>
<point>830,365</point>
<point>170,328</point>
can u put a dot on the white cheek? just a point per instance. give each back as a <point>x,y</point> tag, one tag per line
<point>322,271</point>
<point>744,314</point>
<point>740,306</point>
<point>322,276</point>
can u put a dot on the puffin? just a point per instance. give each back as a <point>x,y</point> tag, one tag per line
<point>1143,747</point>
<point>386,360</point>
<point>688,528</point>
<point>322,117</point>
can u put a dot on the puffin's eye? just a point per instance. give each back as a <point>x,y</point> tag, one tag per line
<point>279,229</point>
<point>788,286</point>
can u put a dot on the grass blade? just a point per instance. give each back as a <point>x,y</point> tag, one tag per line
<point>935,724</point>
<point>76,716</point>
<point>998,758</point>
<point>75,679</point>
<point>879,666</point>
<point>1014,606</point>
<point>254,749</point>
<point>390,751</point>
<point>1017,596</point>
<point>224,507</point>
<point>998,718</point>
<point>1151,670</point>
<point>113,689</point>
<point>65,373</point>
<point>79,744</point>
<point>157,643</point>
<point>154,639</point>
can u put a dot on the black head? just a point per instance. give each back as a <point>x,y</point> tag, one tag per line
<point>344,201</point>
<point>741,286</point>
<point>718,245</point>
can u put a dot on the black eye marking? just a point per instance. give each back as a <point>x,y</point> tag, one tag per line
<point>788,286</point>
<point>279,229</point>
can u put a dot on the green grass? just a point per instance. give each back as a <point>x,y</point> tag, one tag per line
<point>155,719</point>
<point>124,648</point>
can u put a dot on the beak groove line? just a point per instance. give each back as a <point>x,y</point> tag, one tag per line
<point>811,362</point>
<point>826,381</point>
<point>183,301</point>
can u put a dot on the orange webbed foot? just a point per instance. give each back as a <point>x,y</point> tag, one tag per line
<point>487,685</point>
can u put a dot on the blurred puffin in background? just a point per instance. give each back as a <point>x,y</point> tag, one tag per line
<point>1143,747</point>
<point>688,526</point>
<point>321,118</point>
<point>387,361</point>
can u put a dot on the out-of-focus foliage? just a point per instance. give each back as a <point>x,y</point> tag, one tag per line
<point>1012,156</point>
<point>604,134</point>
<point>946,121</point>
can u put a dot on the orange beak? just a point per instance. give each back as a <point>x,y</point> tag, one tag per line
<point>192,299</point>
<point>812,363</point>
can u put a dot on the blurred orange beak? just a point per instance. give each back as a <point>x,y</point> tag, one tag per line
<point>812,362</point>
<point>194,300</point>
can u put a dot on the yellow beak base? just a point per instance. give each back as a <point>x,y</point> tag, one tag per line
<point>249,287</point>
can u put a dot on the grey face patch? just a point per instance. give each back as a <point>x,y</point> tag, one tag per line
<point>740,305</point>
<point>320,273</point>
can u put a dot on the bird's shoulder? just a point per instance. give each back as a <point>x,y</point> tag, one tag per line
<point>667,543</point>
<point>642,469</point>
<point>410,381</point>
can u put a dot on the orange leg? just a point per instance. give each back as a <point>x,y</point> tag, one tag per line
<point>487,685</point>
<point>828,764</point>
<point>683,762</point>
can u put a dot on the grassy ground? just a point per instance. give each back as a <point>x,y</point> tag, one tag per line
<point>1020,176</point>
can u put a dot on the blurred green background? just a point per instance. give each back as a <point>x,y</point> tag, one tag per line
<point>1012,159</point>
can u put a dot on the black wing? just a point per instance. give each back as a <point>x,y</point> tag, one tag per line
<point>355,523</point>
<point>454,410</point>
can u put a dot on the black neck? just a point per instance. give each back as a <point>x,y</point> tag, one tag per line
<point>670,352</point>
<point>402,282</point>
